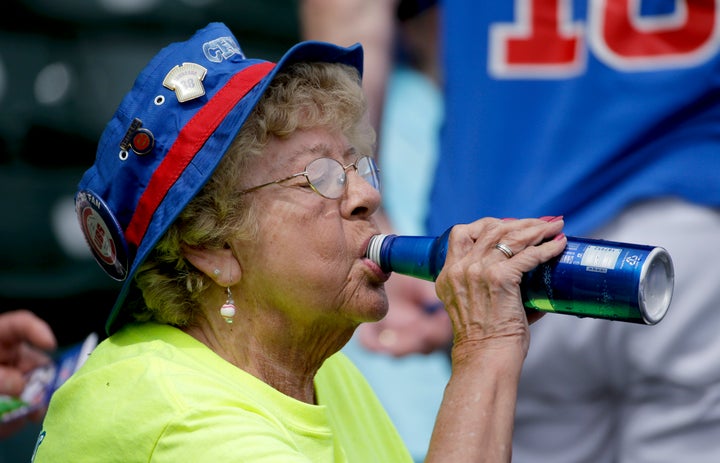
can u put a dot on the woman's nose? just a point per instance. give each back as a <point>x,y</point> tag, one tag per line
<point>361,198</point>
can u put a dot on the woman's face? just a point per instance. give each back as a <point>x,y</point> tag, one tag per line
<point>309,261</point>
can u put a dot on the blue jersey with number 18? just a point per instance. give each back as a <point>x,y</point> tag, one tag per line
<point>577,108</point>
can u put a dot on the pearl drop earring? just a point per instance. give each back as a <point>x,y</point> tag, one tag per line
<point>228,309</point>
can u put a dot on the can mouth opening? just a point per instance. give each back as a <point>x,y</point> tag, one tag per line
<point>374,246</point>
<point>657,280</point>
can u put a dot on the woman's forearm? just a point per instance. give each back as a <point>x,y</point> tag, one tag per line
<point>475,421</point>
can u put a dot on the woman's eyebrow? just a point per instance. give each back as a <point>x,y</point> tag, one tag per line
<point>321,149</point>
<point>324,150</point>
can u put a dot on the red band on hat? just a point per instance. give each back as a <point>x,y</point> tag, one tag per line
<point>190,140</point>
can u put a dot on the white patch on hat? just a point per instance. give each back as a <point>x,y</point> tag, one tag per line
<point>186,81</point>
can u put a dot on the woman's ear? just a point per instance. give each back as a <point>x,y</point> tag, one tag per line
<point>220,265</point>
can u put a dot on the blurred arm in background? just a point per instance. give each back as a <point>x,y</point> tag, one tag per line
<point>24,340</point>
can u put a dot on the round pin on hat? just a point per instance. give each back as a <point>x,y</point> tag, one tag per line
<point>103,234</point>
<point>166,139</point>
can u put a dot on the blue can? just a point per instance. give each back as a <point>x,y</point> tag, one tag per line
<point>603,279</point>
<point>591,278</point>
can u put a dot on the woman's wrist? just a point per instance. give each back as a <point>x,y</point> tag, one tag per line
<point>501,353</point>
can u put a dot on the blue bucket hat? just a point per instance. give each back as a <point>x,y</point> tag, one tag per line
<point>166,139</point>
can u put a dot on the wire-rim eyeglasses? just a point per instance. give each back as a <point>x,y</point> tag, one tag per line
<point>328,177</point>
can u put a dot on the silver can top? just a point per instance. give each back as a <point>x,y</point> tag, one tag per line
<point>657,280</point>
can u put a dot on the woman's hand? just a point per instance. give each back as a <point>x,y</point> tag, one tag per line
<point>480,284</point>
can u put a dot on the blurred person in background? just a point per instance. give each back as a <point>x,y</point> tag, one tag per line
<point>620,103</point>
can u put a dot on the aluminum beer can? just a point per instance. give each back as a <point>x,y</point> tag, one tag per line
<point>603,279</point>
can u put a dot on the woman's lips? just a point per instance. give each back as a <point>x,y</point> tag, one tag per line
<point>375,268</point>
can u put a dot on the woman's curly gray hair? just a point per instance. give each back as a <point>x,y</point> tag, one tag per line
<point>303,96</point>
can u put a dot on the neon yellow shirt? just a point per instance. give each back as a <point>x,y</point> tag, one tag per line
<point>152,393</point>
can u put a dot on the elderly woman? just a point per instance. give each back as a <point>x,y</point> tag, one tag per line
<point>235,198</point>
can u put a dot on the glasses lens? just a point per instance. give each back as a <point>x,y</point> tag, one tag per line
<point>327,177</point>
<point>368,170</point>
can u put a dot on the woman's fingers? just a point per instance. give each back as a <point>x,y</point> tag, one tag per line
<point>480,283</point>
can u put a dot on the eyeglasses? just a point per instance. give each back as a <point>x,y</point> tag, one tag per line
<point>327,177</point>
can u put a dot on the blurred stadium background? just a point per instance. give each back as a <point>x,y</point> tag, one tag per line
<point>64,67</point>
